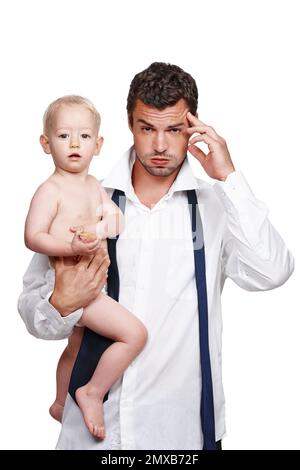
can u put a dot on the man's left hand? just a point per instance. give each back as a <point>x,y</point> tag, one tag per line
<point>217,163</point>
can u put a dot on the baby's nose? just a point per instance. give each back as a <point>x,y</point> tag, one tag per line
<point>74,143</point>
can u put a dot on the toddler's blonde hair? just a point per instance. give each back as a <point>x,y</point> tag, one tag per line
<point>69,100</point>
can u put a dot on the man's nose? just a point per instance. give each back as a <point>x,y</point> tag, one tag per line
<point>160,144</point>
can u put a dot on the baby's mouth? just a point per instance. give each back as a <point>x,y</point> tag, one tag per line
<point>74,155</point>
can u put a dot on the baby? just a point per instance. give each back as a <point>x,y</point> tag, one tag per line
<point>71,198</point>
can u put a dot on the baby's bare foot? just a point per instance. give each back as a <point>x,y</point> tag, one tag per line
<point>56,411</point>
<point>92,409</point>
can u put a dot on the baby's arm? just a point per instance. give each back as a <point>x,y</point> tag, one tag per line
<point>112,222</point>
<point>42,211</point>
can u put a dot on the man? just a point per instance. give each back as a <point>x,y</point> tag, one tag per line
<point>171,396</point>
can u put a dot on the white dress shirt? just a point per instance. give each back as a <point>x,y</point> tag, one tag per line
<point>156,404</point>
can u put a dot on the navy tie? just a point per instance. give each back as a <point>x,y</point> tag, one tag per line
<point>93,345</point>
<point>207,401</point>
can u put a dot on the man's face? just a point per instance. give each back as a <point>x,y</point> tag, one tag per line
<point>160,137</point>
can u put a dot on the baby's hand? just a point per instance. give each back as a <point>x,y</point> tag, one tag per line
<point>84,242</point>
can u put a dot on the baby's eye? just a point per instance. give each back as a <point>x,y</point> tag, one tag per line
<point>85,136</point>
<point>63,136</point>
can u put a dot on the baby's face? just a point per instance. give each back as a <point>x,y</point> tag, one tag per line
<point>73,138</point>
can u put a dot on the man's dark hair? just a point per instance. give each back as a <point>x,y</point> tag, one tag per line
<point>162,85</point>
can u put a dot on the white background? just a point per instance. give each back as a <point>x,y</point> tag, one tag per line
<point>244,56</point>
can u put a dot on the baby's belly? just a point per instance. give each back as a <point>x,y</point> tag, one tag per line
<point>60,228</point>
<point>62,231</point>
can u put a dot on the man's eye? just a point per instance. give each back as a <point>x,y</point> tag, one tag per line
<point>85,136</point>
<point>63,136</point>
<point>175,130</point>
<point>147,129</point>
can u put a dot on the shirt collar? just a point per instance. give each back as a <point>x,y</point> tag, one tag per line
<point>120,176</point>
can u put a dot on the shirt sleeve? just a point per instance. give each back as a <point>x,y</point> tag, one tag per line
<point>40,317</point>
<point>254,255</point>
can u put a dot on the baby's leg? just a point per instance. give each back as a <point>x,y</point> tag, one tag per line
<point>110,319</point>
<point>63,373</point>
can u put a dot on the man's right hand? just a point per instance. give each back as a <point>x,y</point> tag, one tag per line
<point>78,285</point>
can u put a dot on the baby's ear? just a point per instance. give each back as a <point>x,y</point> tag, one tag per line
<point>44,141</point>
<point>99,144</point>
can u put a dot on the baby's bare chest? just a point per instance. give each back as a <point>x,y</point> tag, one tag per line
<point>83,206</point>
<point>76,207</point>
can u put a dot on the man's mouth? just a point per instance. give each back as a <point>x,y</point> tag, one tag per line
<point>159,161</point>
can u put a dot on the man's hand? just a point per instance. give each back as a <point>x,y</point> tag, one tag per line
<point>78,285</point>
<point>217,163</point>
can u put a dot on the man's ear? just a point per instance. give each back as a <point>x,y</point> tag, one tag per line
<point>44,141</point>
<point>129,118</point>
<point>99,144</point>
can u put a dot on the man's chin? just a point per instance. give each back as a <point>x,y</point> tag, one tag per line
<point>156,171</point>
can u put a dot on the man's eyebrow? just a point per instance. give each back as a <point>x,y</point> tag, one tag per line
<point>180,124</point>
<point>171,126</point>
<point>145,122</point>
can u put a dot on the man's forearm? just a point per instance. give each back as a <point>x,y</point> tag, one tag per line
<point>255,256</point>
<point>41,318</point>
<point>61,304</point>
<point>76,286</point>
